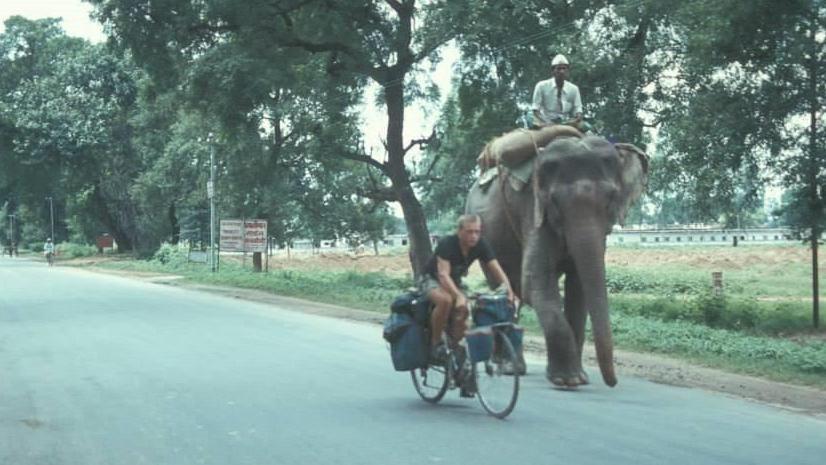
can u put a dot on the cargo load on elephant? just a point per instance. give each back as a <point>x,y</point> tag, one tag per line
<point>517,146</point>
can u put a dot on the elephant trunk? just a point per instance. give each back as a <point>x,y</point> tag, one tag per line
<point>586,244</point>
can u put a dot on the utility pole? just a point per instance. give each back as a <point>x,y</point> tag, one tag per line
<point>51,216</point>
<point>211,195</point>
<point>12,245</point>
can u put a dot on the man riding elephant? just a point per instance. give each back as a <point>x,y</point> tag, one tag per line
<point>557,100</point>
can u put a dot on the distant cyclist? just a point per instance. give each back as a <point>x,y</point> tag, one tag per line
<point>48,251</point>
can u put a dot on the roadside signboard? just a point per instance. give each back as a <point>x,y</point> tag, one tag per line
<point>232,236</point>
<point>255,236</point>
<point>243,236</point>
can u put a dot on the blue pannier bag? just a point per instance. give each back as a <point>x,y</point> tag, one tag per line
<point>491,309</point>
<point>479,343</point>
<point>515,334</point>
<point>405,302</point>
<point>408,347</point>
<point>414,303</point>
<point>421,311</point>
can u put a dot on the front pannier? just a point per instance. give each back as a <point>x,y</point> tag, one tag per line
<point>491,309</point>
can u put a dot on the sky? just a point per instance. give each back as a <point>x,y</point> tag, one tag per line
<point>75,14</point>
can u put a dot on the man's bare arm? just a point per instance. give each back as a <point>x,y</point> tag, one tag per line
<point>443,272</point>
<point>499,275</point>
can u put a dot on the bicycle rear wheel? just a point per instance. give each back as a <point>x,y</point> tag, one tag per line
<point>431,383</point>
<point>497,379</point>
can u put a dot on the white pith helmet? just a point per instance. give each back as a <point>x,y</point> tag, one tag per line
<point>559,60</point>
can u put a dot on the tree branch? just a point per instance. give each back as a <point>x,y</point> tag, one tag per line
<point>395,5</point>
<point>379,194</point>
<point>365,159</point>
<point>421,142</point>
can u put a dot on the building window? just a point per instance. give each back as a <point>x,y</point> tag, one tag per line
<point>643,239</point>
<point>656,239</point>
<point>667,239</point>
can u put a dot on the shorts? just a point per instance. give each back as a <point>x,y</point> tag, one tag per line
<point>427,283</point>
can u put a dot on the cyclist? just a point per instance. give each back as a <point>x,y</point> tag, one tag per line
<point>48,250</point>
<point>442,280</point>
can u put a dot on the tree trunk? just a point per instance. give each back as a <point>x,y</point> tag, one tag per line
<point>173,222</point>
<point>815,200</point>
<point>417,232</point>
<point>815,285</point>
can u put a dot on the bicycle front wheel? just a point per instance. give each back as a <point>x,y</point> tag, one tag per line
<point>431,382</point>
<point>497,379</point>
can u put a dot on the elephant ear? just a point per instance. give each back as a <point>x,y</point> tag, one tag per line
<point>633,177</point>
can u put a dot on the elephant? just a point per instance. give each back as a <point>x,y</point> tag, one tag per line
<point>557,225</point>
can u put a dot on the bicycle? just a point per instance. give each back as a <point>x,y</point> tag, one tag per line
<point>50,258</point>
<point>487,372</point>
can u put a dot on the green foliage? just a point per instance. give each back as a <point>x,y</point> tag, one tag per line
<point>731,313</point>
<point>702,342</point>
<point>171,255</point>
<point>620,280</point>
<point>73,250</point>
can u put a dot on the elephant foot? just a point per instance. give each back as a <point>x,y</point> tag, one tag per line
<point>564,380</point>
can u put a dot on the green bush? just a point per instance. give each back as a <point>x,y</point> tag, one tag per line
<point>712,307</point>
<point>73,250</point>
<point>619,280</point>
<point>724,312</point>
<point>699,341</point>
<point>173,255</point>
<point>784,317</point>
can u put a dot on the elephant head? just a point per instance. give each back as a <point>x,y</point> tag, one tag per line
<point>582,187</point>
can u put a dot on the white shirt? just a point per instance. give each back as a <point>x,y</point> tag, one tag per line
<point>552,108</point>
<point>48,247</point>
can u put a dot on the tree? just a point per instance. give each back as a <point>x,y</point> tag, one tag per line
<point>336,46</point>
<point>751,87</point>
<point>65,111</point>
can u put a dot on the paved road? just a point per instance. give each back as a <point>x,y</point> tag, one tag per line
<point>99,369</point>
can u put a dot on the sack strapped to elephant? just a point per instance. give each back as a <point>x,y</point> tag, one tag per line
<point>547,210</point>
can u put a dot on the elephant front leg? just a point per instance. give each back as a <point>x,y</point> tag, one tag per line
<point>540,285</point>
<point>576,314</point>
